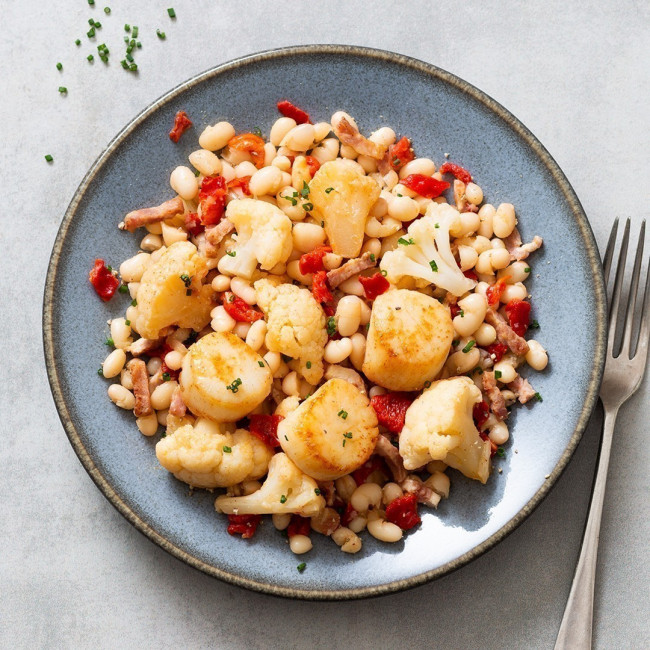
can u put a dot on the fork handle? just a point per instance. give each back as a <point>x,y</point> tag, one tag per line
<point>576,627</point>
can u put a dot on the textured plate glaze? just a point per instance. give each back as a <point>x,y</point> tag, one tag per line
<point>441,113</point>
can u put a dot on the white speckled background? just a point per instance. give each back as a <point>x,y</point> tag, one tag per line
<point>73,573</point>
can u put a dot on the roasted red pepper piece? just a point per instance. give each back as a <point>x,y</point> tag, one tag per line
<point>481,412</point>
<point>425,186</point>
<point>454,309</point>
<point>374,285</point>
<point>495,291</point>
<point>374,464</point>
<point>349,514</point>
<point>471,274</point>
<point>104,282</point>
<point>313,165</point>
<point>181,124</point>
<point>319,288</point>
<point>458,172</point>
<point>212,198</point>
<point>391,409</point>
<point>290,110</point>
<point>518,312</point>
<point>193,224</point>
<point>298,526</point>
<point>400,153</point>
<point>240,183</point>
<point>241,311</point>
<point>265,427</point>
<point>496,351</point>
<point>403,512</point>
<point>251,143</point>
<point>493,446</point>
<point>312,262</point>
<point>244,525</point>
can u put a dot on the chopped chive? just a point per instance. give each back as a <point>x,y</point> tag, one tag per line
<point>90,58</point>
<point>427,384</point>
<point>100,371</point>
<point>301,567</point>
<point>328,190</point>
<point>231,253</point>
<point>343,442</point>
<point>343,414</point>
<point>129,58</point>
<point>501,452</point>
<point>107,10</point>
<point>110,342</point>
<point>98,25</point>
<point>498,374</point>
<point>187,280</point>
<point>49,158</point>
<point>127,322</point>
<point>305,190</point>
<point>138,44</point>
<point>372,257</point>
<point>317,492</point>
<point>227,449</point>
<point>91,2</point>
<point>308,364</point>
<point>461,313</point>
<point>527,269</point>
<point>124,64</point>
<point>436,225</point>
<point>91,33</point>
<point>433,265</point>
<point>133,67</point>
<point>469,346</point>
<point>257,131</point>
<point>63,90</point>
<point>188,292</point>
<point>283,499</point>
<point>307,207</point>
<point>134,33</point>
<point>134,303</point>
<point>77,42</point>
<point>396,161</point>
<point>406,242</point>
<point>538,397</point>
<point>166,376</point>
<point>348,435</point>
<point>331,326</point>
<point>59,66</point>
<point>384,272</point>
<point>534,325</point>
<point>127,27</point>
<point>171,13</point>
<point>161,35</point>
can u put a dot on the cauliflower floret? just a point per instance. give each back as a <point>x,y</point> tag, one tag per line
<point>286,490</point>
<point>321,441</point>
<point>296,325</point>
<point>263,236</point>
<point>409,339</point>
<point>439,426</point>
<point>163,298</point>
<point>205,456</point>
<point>223,378</point>
<point>425,252</point>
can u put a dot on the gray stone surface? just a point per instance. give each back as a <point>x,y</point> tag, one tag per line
<point>73,572</point>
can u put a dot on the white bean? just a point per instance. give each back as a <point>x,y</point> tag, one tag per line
<point>390,492</point>
<point>154,365</point>
<point>171,235</point>
<point>121,397</point>
<point>289,204</point>
<point>121,333</point>
<point>508,373</point>
<point>281,522</point>
<point>327,150</point>
<point>154,228</point>
<point>384,136</point>
<point>337,351</point>
<point>348,152</point>
<point>366,312</point>
<point>439,483</point>
<point>345,487</point>
<point>473,310</point>
<point>347,540</point>
<point>273,361</point>
<point>280,128</point>
<point>468,257</point>
<point>474,194</point>
<point>282,163</point>
<point>227,171</point>
<point>504,220</point>
<point>366,496</point>
<point>358,350</point>
<point>243,290</point>
<point>241,330</point>
<point>377,390</point>
<point>265,181</point>
<point>499,433</point>
<point>307,236</point>
<point>353,287</point>
<point>517,272</point>
<point>151,242</point>
<point>205,162</point>
<point>372,246</point>
<point>293,271</point>
<point>368,163</point>
<point>536,357</point>
<point>161,397</point>
<point>222,321</point>
<point>174,360</point>
<point>245,168</point>
<point>216,137</point>
<point>162,417</point>
<point>486,216</point>
<point>125,379</point>
<point>485,335</point>
<point>132,269</point>
<point>269,154</point>
<point>423,166</point>
<point>388,226</point>
<point>300,138</point>
<point>403,208</point>
<point>321,130</point>
<point>221,283</point>
<point>384,531</point>
<point>402,190</point>
<point>495,242</point>
<point>348,315</point>
<point>300,544</point>
<point>291,384</point>
<point>461,362</point>
<point>256,335</point>
<point>114,363</point>
<point>147,424</point>
<point>514,292</point>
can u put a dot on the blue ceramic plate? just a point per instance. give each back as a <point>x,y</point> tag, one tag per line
<point>441,114</point>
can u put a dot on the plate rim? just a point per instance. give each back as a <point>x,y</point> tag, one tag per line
<point>51,363</point>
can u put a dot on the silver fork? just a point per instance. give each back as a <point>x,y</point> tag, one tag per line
<point>624,370</point>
